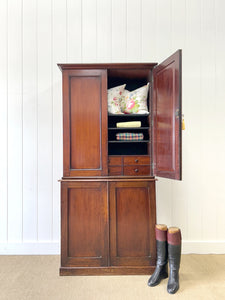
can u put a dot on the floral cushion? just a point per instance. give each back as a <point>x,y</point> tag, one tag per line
<point>135,102</point>
<point>122,101</point>
<point>114,97</point>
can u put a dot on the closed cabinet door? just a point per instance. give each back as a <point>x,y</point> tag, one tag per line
<point>84,241</point>
<point>85,123</point>
<point>132,220</point>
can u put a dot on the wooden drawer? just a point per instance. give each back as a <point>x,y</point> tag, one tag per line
<point>136,170</point>
<point>115,160</point>
<point>139,160</point>
<point>115,170</point>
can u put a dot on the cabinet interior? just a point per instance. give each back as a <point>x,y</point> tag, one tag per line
<point>134,79</point>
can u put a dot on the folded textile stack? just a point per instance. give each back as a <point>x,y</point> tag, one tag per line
<point>128,124</point>
<point>127,136</point>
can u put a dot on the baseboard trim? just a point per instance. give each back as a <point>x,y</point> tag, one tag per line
<point>30,248</point>
<point>53,247</point>
<point>203,247</point>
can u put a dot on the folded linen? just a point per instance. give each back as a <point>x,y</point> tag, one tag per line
<point>128,124</point>
<point>127,136</point>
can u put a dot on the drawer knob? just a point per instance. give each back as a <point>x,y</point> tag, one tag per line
<point>136,160</point>
<point>136,170</point>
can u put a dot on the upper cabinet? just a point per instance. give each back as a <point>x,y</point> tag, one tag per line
<point>94,144</point>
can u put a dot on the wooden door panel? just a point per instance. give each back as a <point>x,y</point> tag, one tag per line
<point>85,116</point>
<point>133,242</point>
<point>85,122</point>
<point>167,117</point>
<point>132,219</point>
<point>84,224</point>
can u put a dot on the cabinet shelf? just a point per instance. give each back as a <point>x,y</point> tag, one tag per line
<point>128,115</point>
<point>128,147</point>
<point>113,119</point>
<point>119,142</point>
<point>128,128</point>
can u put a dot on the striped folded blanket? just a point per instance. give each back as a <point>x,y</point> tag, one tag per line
<point>126,136</point>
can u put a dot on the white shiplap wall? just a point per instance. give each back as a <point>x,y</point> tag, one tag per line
<point>38,34</point>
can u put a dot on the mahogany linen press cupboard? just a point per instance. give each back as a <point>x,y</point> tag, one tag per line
<point>108,203</point>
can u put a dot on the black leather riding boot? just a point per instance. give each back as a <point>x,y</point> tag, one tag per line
<point>174,255</point>
<point>161,270</point>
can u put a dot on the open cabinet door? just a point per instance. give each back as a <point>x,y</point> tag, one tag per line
<point>167,118</point>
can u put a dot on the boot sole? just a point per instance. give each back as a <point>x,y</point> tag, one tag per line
<point>164,276</point>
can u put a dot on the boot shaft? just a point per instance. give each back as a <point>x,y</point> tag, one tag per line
<point>174,256</point>
<point>161,244</point>
<point>161,270</point>
<point>162,253</point>
<point>174,247</point>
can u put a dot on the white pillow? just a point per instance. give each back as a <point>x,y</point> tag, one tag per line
<point>135,102</point>
<point>114,97</point>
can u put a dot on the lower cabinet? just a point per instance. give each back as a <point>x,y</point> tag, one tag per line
<point>107,227</point>
<point>84,224</point>
<point>132,223</point>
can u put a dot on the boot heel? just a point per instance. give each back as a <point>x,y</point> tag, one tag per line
<point>164,275</point>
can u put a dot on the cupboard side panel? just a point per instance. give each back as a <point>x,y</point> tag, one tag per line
<point>64,213</point>
<point>66,125</point>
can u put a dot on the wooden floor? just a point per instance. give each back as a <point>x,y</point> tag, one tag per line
<point>36,277</point>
